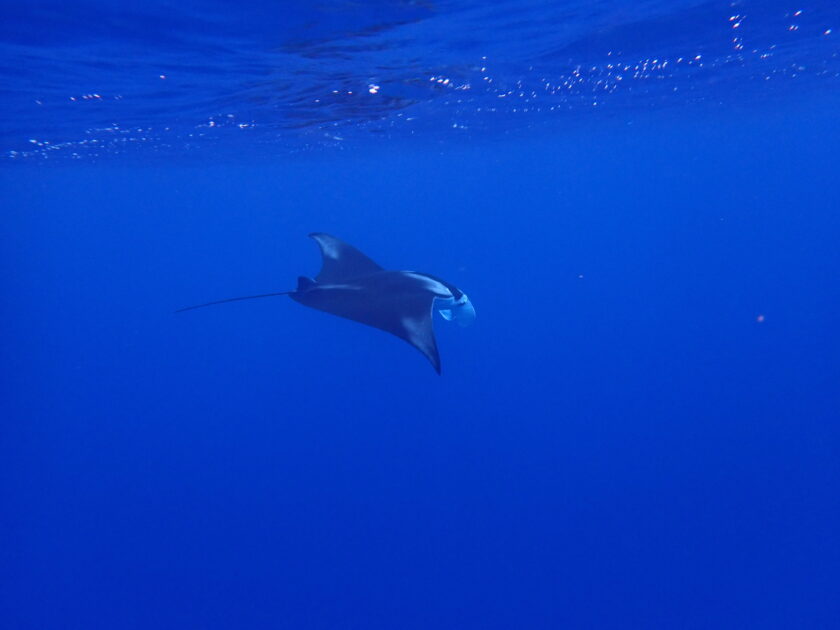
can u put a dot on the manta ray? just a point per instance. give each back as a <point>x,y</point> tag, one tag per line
<point>352,286</point>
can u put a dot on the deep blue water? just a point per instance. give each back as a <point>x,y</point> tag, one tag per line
<point>642,428</point>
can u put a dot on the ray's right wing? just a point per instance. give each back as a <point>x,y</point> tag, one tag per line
<point>340,261</point>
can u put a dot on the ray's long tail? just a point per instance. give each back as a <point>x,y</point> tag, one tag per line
<point>236,299</point>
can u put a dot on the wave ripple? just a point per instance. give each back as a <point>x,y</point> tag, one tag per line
<point>92,78</point>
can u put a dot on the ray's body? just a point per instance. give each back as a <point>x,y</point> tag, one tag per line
<point>353,286</point>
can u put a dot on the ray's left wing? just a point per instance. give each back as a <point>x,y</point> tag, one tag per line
<point>407,315</point>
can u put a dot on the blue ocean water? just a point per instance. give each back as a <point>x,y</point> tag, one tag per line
<point>642,427</point>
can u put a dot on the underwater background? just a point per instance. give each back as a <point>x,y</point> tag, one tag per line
<point>642,427</point>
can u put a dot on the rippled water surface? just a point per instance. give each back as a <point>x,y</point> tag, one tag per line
<point>95,78</point>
